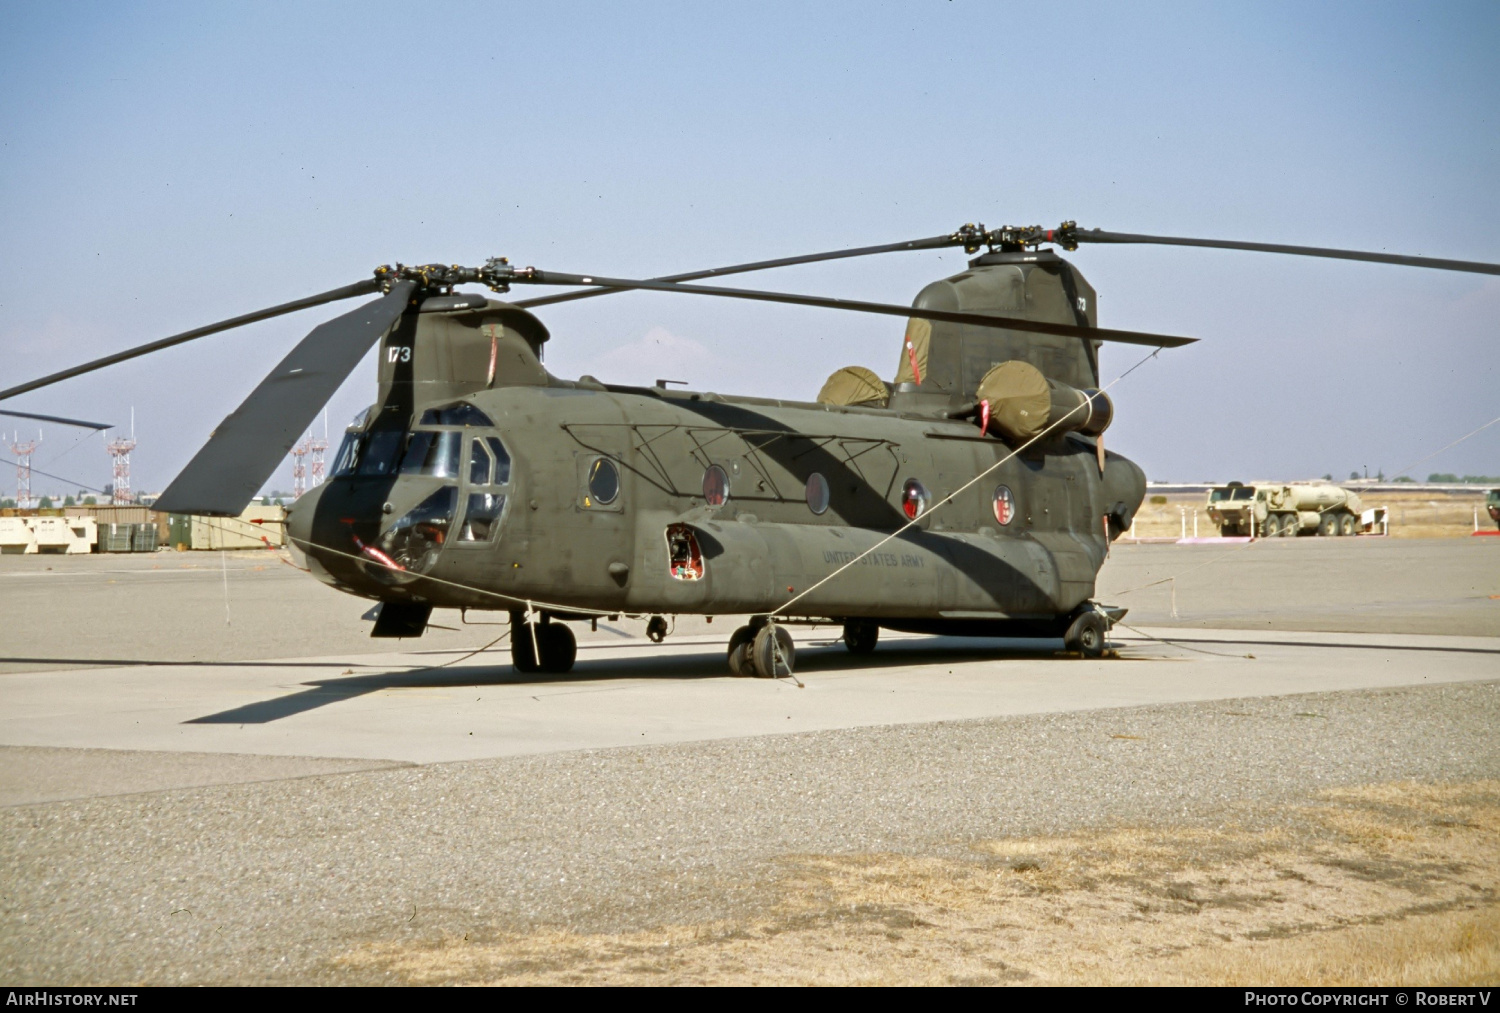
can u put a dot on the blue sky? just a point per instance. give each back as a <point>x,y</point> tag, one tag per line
<point>166,165</point>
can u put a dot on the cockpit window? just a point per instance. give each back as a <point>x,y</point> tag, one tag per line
<point>479,464</point>
<point>489,465</point>
<point>382,449</point>
<point>343,461</point>
<point>435,454</point>
<point>502,460</point>
<point>461,414</point>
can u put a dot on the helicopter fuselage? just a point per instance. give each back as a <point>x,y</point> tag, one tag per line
<point>586,499</point>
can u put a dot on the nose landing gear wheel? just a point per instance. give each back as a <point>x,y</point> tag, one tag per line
<point>860,636</point>
<point>1086,635</point>
<point>772,652</point>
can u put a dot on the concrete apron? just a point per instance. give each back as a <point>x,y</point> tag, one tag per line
<point>399,708</point>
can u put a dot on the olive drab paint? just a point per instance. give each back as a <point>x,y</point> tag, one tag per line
<point>665,540</point>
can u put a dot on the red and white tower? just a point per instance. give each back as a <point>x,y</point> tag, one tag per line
<point>119,450</point>
<point>299,469</point>
<point>316,447</point>
<point>23,451</point>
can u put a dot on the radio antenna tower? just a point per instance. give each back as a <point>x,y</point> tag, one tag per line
<point>317,446</point>
<point>120,450</point>
<point>23,468</point>
<point>299,470</point>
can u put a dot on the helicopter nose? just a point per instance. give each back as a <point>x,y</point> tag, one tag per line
<point>299,524</point>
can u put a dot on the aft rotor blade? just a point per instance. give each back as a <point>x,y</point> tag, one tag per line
<point>55,418</point>
<point>858,306</point>
<point>347,292</point>
<point>249,444</point>
<point>930,243</point>
<point>1472,266</point>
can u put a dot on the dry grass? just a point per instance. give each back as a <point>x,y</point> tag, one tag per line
<point>1392,884</point>
<point>1412,515</point>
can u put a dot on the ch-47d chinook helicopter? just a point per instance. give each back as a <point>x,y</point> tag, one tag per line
<point>971,496</point>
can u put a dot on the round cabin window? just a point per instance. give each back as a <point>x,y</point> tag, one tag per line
<point>817,493</point>
<point>914,499</point>
<point>1005,504</point>
<point>715,486</point>
<point>604,482</point>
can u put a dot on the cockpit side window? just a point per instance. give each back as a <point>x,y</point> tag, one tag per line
<point>479,464</point>
<point>489,472</point>
<point>502,460</point>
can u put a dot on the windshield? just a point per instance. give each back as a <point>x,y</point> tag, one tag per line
<point>343,461</point>
<point>382,449</point>
<point>1243,492</point>
<point>433,453</point>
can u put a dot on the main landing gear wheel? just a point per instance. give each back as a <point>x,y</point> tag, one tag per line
<point>1086,635</point>
<point>772,652</point>
<point>558,646</point>
<point>522,651</point>
<point>860,636</point>
<point>554,653</point>
<point>739,652</point>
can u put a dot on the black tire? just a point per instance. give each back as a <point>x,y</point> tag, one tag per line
<point>740,661</point>
<point>861,636</point>
<point>558,647</point>
<point>522,651</point>
<point>1328,525</point>
<point>1291,526</point>
<point>1348,525</point>
<point>1086,635</point>
<point>774,655</point>
<point>1271,526</point>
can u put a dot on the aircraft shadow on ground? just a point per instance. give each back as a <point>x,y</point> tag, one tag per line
<point>709,663</point>
<point>684,666</point>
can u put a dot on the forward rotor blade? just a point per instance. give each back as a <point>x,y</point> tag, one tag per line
<point>1472,266</point>
<point>55,418</point>
<point>854,305</point>
<point>249,444</point>
<point>930,243</point>
<point>347,292</point>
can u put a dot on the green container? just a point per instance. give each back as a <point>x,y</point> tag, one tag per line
<point>180,531</point>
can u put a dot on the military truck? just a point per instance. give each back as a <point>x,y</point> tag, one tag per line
<point>1270,510</point>
<point>1492,504</point>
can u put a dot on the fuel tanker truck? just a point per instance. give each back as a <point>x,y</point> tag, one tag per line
<point>1269,510</point>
